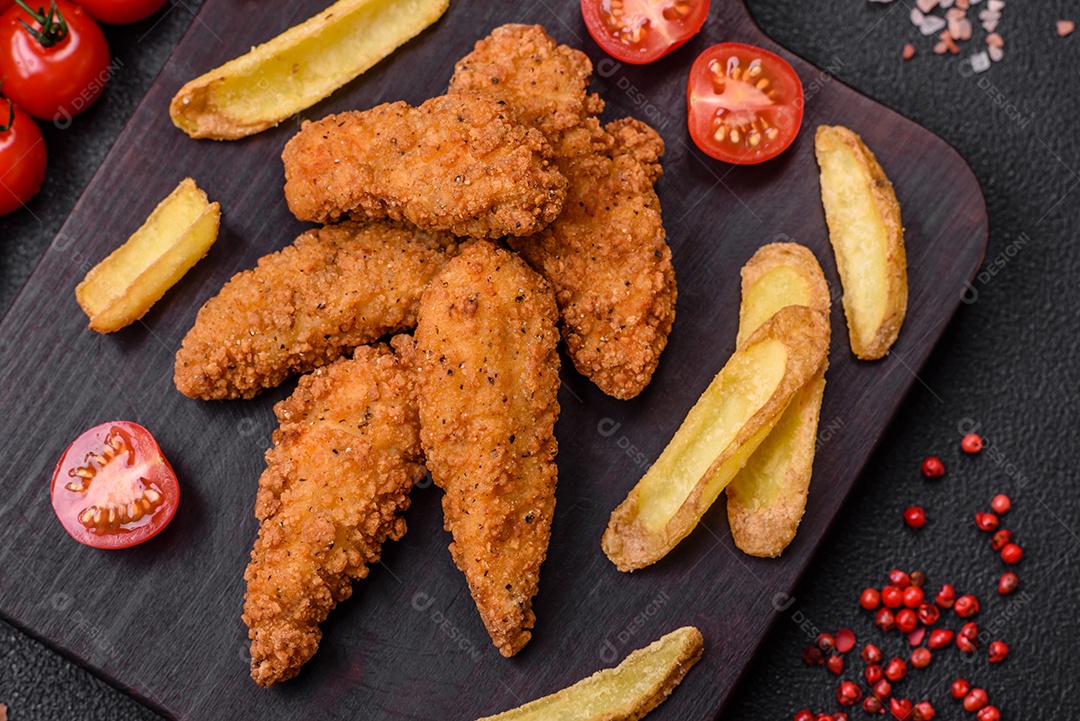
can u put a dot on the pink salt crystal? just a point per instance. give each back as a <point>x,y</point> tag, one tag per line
<point>1064,27</point>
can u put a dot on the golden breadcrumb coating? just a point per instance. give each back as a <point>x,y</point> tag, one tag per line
<point>609,261</point>
<point>345,457</point>
<point>488,387</point>
<point>459,163</point>
<point>334,289</point>
<point>606,255</point>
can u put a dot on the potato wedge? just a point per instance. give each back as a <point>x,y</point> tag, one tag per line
<point>867,237</point>
<point>624,693</point>
<point>726,425</point>
<point>121,289</point>
<point>766,499</point>
<point>298,68</point>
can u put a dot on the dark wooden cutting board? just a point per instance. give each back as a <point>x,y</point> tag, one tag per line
<point>162,621</point>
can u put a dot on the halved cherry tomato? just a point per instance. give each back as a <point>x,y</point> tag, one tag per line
<point>56,64</point>
<point>121,12</point>
<point>113,488</point>
<point>22,158</point>
<point>640,31</point>
<point>745,103</point>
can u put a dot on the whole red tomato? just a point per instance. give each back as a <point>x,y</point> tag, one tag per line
<point>56,64</point>
<point>22,158</point>
<point>120,12</point>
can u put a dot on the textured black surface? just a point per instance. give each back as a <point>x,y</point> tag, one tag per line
<point>1006,362</point>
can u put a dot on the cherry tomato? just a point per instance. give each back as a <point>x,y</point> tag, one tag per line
<point>745,103</point>
<point>121,12</point>
<point>22,158</point>
<point>640,31</point>
<point>58,70</point>
<point>113,488</point>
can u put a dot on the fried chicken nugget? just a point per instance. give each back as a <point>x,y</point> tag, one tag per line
<point>334,289</point>
<point>606,254</point>
<point>459,163</point>
<point>345,457</point>
<point>488,387</point>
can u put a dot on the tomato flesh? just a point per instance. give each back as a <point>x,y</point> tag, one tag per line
<point>22,158</point>
<point>113,488</point>
<point>745,104</point>
<point>641,31</point>
<point>58,82</point>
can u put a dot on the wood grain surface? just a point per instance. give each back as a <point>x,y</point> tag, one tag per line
<point>162,620</point>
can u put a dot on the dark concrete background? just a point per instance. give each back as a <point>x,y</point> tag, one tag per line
<point>1007,364</point>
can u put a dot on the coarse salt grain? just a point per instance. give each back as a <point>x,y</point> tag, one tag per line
<point>926,5</point>
<point>1064,27</point>
<point>980,62</point>
<point>996,53</point>
<point>908,52</point>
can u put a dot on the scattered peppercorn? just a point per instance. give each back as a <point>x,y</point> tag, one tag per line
<point>845,640</point>
<point>915,638</point>
<point>966,606</point>
<point>1001,539</point>
<point>804,715</point>
<point>892,596</point>
<point>825,642</point>
<point>959,688</point>
<point>998,651</point>
<point>812,656</point>
<point>915,517</point>
<point>918,579</point>
<point>940,638</point>
<point>899,578</point>
<point>848,694</point>
<point>835,664</point>
<point>975,700</point>
<point>871,704</point>
<point>923,711</point>
<point>932,467</point>
<point>1009,582</point>
<point>928,614</point>
<point>885,620</point>
<point>1011,553</point>
<point>900,707</point>
<point>871,653</point>
<point>971,443</point>
<point>946,596</point>
<point>987,521</point>
<point>870,599</point>
<point>906,620</point>
<point>988,713</point>
<point>1001,504</point>
<point>873,673</point>
<point>921,657</point>
<point>882,689</point>
<point>913,596</point>
<point>896,669</point>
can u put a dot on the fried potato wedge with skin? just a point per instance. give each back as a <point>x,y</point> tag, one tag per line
<point>298,68</point>
<point>121,289</point>
<point>766,500</point>
<point>624,693</point>
<point>867,237</point>
<point>727,424</point>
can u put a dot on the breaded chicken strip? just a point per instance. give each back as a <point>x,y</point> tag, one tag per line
<point>458,163</point>
<point>334,289</point>
<point>488,387</point>
<point>608,259</point>
<point>345,457</point>
<point>606,255</point>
